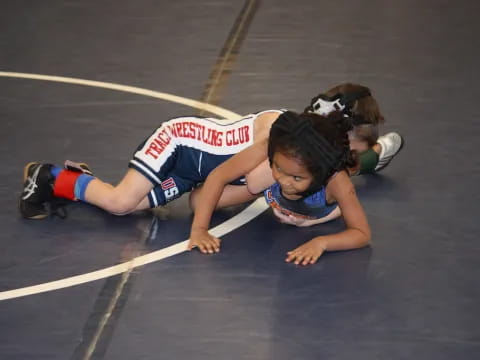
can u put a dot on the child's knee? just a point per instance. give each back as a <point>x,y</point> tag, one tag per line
<point>192,200</point>
<point>121,206</point>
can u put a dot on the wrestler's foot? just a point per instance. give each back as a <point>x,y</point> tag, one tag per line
<point>391,144</point>
<point>80,167</point>
<point>37,190</point>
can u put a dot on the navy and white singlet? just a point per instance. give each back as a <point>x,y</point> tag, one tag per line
<point>311,207</point>
<point>182,152</point>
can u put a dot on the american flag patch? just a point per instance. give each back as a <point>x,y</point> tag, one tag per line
<point>168,184</point>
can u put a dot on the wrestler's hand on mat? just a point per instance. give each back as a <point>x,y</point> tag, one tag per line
<point>289,219</point>
<point>307,253</point>
<point>205,242</point>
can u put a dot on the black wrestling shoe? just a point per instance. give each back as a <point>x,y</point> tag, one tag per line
<point>37,190</point>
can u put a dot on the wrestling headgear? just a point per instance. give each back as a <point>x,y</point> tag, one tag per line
<point>324,105</point>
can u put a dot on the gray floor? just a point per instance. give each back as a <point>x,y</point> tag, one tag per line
<point>414,294</point>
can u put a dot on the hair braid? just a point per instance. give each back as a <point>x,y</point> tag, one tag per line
<point>320,143</point>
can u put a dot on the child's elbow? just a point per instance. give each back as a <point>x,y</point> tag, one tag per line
<point>367,237</point>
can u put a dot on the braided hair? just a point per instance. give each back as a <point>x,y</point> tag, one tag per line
<point>319,142</point>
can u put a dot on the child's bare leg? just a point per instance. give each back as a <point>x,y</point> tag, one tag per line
<point>143,205</point>
<point>232,195</point>
<point>45,182</point>
<point>129,195</point>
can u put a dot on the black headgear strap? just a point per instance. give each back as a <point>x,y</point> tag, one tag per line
<point>349,98</point>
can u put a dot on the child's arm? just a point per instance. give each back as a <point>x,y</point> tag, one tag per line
<point>235,167</point>
<point>260,178</point>
<point>356,235</point>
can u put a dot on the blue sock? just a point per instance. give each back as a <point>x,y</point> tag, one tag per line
<point>81,185</point>
<point>55,170</point>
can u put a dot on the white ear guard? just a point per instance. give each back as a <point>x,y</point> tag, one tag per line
<point>324,105</point>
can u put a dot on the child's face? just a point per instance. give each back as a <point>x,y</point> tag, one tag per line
<point>292,176</point>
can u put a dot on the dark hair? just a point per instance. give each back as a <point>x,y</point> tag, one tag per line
<point>361,106</point>
<point>319,142</point>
